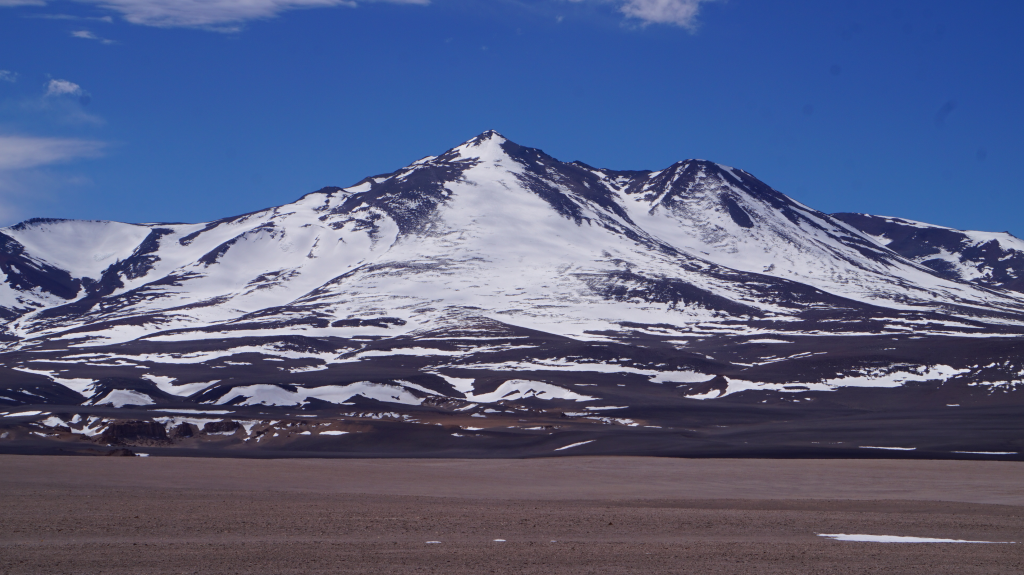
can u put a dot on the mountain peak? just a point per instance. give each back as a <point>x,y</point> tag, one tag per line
<point>487,145</point>
<point>487,135</point>
<point>490,137</point>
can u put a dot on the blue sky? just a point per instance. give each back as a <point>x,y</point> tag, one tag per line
<point>190,110</point>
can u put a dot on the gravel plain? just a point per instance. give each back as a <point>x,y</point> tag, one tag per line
<point>565,515</point>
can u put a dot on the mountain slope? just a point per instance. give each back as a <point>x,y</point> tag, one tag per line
<point>994,260</point>
<point>494,279</point>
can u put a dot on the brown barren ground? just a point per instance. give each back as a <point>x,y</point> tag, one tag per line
<point>564,515</point>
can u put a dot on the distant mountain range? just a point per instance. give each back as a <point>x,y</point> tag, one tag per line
<point>495,301</point>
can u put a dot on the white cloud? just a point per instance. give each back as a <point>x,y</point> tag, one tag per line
<point>62,101</point>
<point>106,19</point>
<point>26,185</point>
<point>226,15</point>
<point>678,12</point>
<point>24,152</point>
<point>8,76</point>
<point>87,35</point>
<point>673,12</point>
<point>63,88</point>
<point>217,14</point>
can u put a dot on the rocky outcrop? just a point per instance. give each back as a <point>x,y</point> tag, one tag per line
<point>182,430</point>
<point>132,432</point>
<point>227,426</point>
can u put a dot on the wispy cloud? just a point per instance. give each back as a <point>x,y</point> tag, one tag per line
<point>64,100</point>
<point>228,15</point>
<point>676,12</point>
<point>24,152</point>
<point>106,19</point>
<point>223,15</point>
<point>8,76</point>
<point>87,35</point>
<point>671,12</point>
<point>26,179</point>
<point>62,88</point>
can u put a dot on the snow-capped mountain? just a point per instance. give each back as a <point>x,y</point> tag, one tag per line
<point>494,281</point>
<point>989,259</point>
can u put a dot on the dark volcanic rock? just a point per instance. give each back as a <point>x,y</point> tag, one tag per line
<point>182,430</point>
<point>221,426</point>
<point>134,431</point>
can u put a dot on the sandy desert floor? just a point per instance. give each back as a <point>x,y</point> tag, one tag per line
<point>544,516</point>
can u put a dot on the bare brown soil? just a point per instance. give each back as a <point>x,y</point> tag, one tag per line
<point>566,515</point>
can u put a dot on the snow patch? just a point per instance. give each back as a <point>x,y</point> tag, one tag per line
<point>571,445</point>
<point>680,377</point>
<point>25,414</point>
<point>263,394</point>
<point>123,397</point>
<point>897,539</point>
<point>878,378</point>
<point>78,385</point>
<point>514,389</point>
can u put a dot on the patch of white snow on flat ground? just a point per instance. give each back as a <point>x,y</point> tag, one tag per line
<point>680,377</point>
<point>571,445</point>
<point>889,448</point>
<point>989,452</point>
<point>24,414</point>
<point>333,432</point>
<point>876,378</point>
<point>898,539</point>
